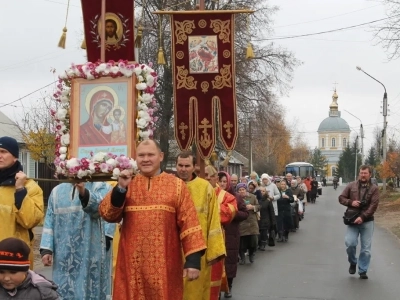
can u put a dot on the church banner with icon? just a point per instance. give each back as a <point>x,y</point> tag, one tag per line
<point>204,79</point>
<point>119,23</point>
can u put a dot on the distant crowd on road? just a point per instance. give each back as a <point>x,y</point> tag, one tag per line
<point>150,235</point>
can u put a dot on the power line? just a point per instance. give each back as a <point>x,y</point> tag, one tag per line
<point>335,16</point>
<point>323,32</point>
<point>27,95</point>
<point>61,3</point>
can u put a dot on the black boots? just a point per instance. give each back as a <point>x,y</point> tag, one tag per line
<point>286,236</point>
<point>280,237</point>
<point>242,258</point>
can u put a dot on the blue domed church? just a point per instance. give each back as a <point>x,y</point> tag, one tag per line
<point>333,136</point>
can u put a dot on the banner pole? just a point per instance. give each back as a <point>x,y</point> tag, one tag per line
<point>103,31</point>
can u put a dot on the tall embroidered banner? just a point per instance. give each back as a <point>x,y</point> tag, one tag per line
<point>204,79</point>
<point>119,25</point>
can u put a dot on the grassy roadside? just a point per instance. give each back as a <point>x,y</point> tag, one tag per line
<point>388,213</point>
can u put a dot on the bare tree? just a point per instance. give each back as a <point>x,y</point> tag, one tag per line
<point>388,35</point>
<point>256,79</point>
<point>37,128</point>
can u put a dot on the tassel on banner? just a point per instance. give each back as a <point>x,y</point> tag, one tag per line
<point>161,59</point>
<point>63,38</point>
<point>139,35</point>
<point>83,45</point>
<point>249,51</point>
<point>227,159</point>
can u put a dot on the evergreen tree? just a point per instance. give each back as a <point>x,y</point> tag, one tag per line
<point>319,161</point>
<point>371,158</point>
<point>346,164</point>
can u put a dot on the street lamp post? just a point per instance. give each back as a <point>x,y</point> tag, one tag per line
<point>361,135</point>
<point>384,113</point>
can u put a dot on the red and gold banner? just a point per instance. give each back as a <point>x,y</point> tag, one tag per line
<point>204,79</point>
<point>119,23</point>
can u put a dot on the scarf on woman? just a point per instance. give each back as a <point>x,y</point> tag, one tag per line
<point>7,176</point>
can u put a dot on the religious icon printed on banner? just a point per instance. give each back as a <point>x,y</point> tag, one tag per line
<point>203,54</point>
<point>117,33</point>
<point>104,113</point>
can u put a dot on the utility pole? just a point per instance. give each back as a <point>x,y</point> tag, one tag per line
<point>355,151</point>
<point>384,113</point>
<point>384,138</point>
<point>362,143</point>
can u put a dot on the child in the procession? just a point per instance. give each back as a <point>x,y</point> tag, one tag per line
<point>17,282</point>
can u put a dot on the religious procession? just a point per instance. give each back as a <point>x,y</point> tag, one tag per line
<point>116,224</point>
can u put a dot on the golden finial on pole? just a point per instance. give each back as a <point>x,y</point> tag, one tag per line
<point>249,50</point>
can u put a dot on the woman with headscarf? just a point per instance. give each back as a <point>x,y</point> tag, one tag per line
<point>298,195</point>
<point>267,221</point>
<point>284,211</point>
<point>248,228</point>
<point>232,234</point>
<point>252,189</point>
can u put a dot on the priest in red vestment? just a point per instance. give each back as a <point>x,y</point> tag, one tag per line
<point>160,220</point>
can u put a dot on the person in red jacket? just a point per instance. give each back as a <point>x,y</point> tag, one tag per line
<point>307,182</point>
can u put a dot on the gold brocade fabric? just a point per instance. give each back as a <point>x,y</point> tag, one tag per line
<point>228,209</point>
<point>159,220</point>
<point>205,200</point>
<point>227,205</point>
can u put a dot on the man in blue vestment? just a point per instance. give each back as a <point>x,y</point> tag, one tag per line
<point>76,242</point>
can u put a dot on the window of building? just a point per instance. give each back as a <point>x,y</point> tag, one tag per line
<point>333,142</point>
<point>23,158</point>
<point>322,142</point>
<point>344,142</point>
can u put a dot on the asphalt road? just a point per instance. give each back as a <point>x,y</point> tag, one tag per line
<point>313,264</point>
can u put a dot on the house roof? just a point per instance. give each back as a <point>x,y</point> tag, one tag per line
<point>9,128</point>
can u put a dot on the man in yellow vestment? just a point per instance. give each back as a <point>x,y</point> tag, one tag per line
<point>206,203</point>
<point>160,224</point>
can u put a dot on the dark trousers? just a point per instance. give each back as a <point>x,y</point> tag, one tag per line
<point>247,242</point>
<point>308,195</point>
<point>295,218</point>
<point>263,237</point>
<point>313,197</point>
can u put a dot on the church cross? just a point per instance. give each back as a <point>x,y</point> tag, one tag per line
<point>205,139</point>
<point>182,128</point>
<point>335,83</point>
<point>228,125</point>
<point>205,125</point>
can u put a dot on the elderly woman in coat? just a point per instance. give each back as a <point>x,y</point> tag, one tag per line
<point>298,195</point>
<point>284,211</point>
<point>267,221</point>
<point>232,237</point>
<point>248,228</point>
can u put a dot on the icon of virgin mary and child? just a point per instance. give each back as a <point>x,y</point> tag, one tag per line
<point>105,125</point>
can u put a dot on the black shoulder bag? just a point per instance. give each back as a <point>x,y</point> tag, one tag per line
<point>352,213</point>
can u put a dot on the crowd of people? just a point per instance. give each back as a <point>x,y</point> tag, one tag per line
<point>137,237</point>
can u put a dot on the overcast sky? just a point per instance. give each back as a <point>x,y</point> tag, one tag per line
<point>31,29</point>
